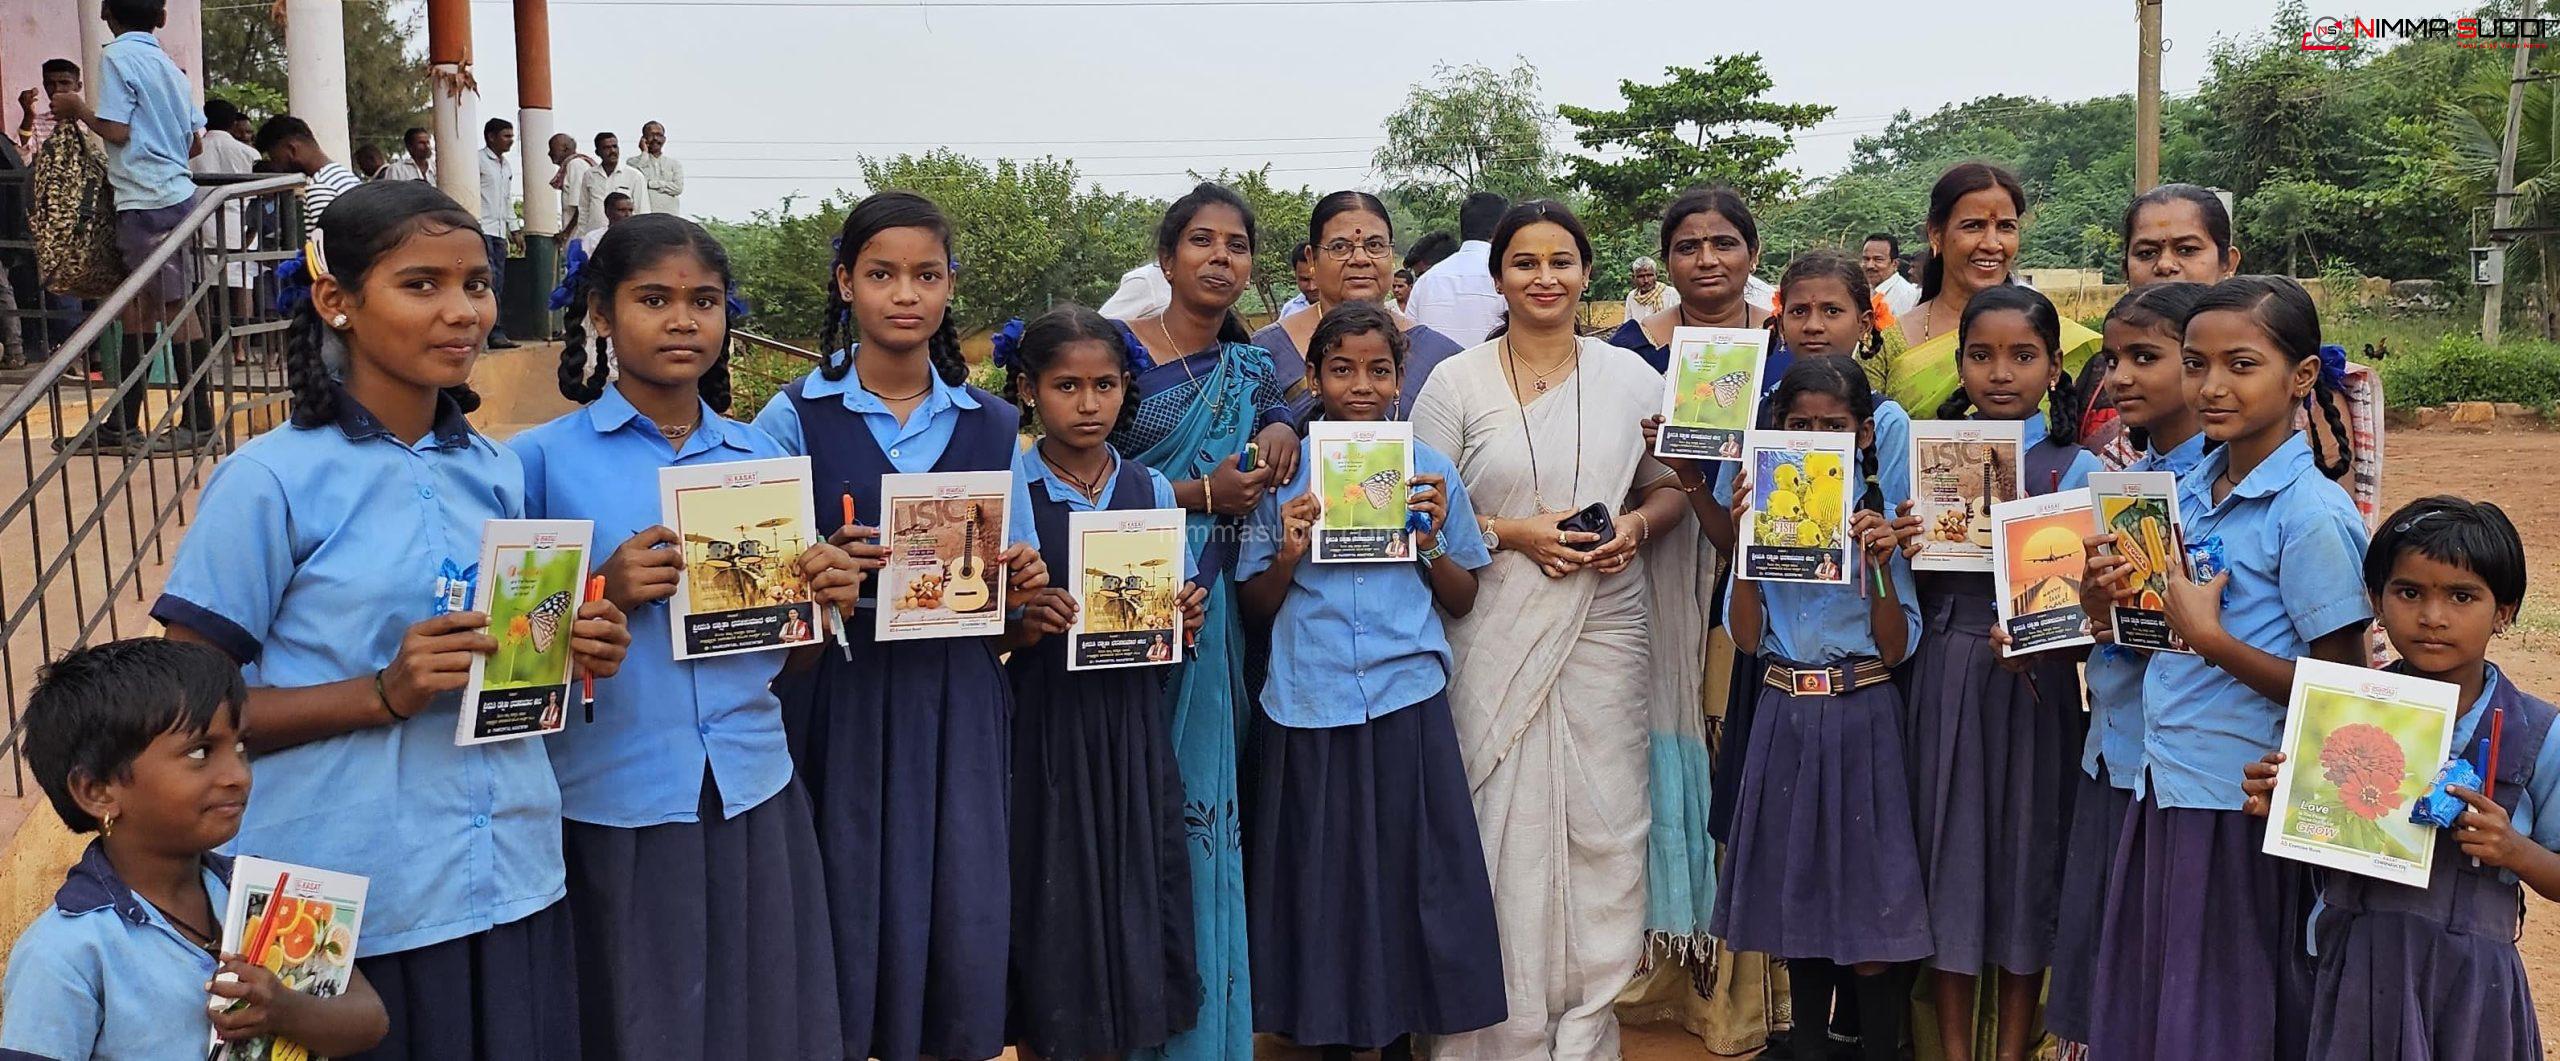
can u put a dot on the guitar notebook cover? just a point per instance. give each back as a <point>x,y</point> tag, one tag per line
<point>945,531</point>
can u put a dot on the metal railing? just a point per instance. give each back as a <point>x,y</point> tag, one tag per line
<point>101,450</point>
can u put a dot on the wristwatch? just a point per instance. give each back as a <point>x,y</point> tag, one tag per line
<point>1492,541</point>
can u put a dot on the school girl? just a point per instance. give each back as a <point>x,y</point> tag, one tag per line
<point>1103,959</point>
<point>693,865</point>
<point>318,561</point>
<point>2414,973</point>
<point>904,749</point>
<point>2198,951</point>
<point>2140,362</point>
<point>1368,901</point>
<point>1822,869</point>
<point>1992,738</point>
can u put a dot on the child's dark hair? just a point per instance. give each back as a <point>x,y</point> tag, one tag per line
<point>137,14</point>
<point>1523,216</point>
<point>1047,334</point>
<point>95,709</point>
<point>2284,311</point>
<point>1959,181</point>
<point>367,222</point>
<point>1717,199</point>
<point>2062,402</point>
<point>2473,535</point>
<point>1177,220</point>
<point>868,218</point>
<point>1833,265</point>
<point>1356,318</point>
<point>627,248</point>
<point>1840,377</point>
<point>2152,306</point>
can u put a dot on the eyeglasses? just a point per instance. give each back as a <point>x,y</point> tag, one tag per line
<point>1377,247</point>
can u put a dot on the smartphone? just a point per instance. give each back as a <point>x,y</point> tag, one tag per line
<point>1593,519</point>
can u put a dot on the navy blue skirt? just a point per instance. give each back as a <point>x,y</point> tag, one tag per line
<point>2201,953</point>
<point>507,994</point>
<point>1367,899</point>
<point>701,939</point>
<point>2097,822</point>
<point>1822,863</point>
<point>1103,954</point>
<point>904,752</point>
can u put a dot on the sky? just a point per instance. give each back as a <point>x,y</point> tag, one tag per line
<point>778,97</point>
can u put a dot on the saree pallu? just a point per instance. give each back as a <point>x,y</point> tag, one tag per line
<point>1923,377</point>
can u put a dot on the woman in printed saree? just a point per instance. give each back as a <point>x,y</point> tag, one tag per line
<point>1977,219</point>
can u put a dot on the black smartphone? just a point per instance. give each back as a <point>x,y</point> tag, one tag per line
<point>1593,519</point>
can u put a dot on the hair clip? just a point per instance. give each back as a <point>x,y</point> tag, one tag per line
<point>1134,351</point>
<point>314,248</point>
<point>1007,343</point>
<point>2411,523</point>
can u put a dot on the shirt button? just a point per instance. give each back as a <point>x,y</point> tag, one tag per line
<point>704,730</point>
<point>894,453</point>
<point>427,492</point>
<point>479,821</point>
<point>1359,580</point>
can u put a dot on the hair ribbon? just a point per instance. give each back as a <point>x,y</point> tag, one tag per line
<point>1008,343</point>
<point>2333,367</point>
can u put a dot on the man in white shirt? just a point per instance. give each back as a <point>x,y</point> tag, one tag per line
<point>1456,298</point>
<point>497,210</point>
<point>1143,292</point>
<point>1881,259</point>
<point>1302,262</point>
<point>665,176</point>
<point>419,163</point>
<point>607,177</point>
<point>287,142</point>
<point>223,153</point>
<point>572,172</point>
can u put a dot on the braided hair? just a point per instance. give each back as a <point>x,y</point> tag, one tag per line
<point>1049,334</point>
<point>868,218</point>
<point>2283,310</point>
<point>1832,265</point>
<point>364,224</point>
<point>2062,402</point>
<point>627,248</point>
<point>1840,377</point>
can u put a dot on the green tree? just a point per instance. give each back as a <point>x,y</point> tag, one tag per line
<point>1470,129</point>
<point>386,83</point>
<point>1702,125</point>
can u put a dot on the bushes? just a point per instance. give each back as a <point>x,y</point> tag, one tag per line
<point>2461,369</point>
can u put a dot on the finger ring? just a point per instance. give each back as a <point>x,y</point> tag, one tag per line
<point>1560,538</point>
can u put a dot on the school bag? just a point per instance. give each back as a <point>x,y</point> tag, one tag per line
<point>73,212</point>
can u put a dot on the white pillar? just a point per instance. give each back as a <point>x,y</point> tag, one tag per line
<point>541,201</point>
<point>315,49</point>
<point>93,45</point>
<point>456,127</point>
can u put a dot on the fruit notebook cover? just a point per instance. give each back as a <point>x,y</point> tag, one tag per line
<point>310,943</point>
<point>1363,477</point>
<point>2141,510</point>
<point>2359,746</point>
<point>1797,529</point>
<point>742,526</point>
<point>2037,565</point>
<point>1959,469</point>
<point>1711,392</point>
<point>532,574</point>
<point>1127,578</point>
<point>945,532</point>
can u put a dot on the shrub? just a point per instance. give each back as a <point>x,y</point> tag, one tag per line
<point>2462,369</point>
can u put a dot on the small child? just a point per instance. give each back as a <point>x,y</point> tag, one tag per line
<point>138,741</point>
<point>1368,903</point>
<point>2414,973</point>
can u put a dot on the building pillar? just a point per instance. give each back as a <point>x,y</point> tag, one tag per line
<point>456,101</point>
<point>315,49</point>
<point>533,116</point>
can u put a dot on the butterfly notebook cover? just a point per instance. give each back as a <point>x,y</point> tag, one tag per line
<point>2038,563</point>
<point>1959,469</point>
<point>945,533</point>
<point>2360,745</point>
<point>1710,393</point>
<point>1797,529</point>
<point>1363,473</point>
<point>310,943</point>
<point>2141,510</point>
<point>533,573</point>
<point>742,526</point>
<point>1125,568</point>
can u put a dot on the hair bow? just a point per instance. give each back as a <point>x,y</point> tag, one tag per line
<point>1134,350</point>
<point>293,286</point>
<point>2333,367</point>
<point>1008,343</point>
<point>572,262</point>
<point>738,303</point>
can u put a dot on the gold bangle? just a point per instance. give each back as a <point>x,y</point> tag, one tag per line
<point>1644,527</point>
<point>1208,497</point>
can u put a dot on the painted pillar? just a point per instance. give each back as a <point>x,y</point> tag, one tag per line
<point>315,49</point>
<point>533,118</point>
<point>456,101</point>
<point>94,36</point>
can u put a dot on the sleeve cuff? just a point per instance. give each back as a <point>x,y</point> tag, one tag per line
<point>171,610</point>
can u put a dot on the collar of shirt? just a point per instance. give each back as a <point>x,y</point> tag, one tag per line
<point>492,156</point>
<point>612,412</point>
<point>450,431</point>
<point>92,885</point>
<point>2276,472</point>
<point>143,36</point>
<point>859,399</point>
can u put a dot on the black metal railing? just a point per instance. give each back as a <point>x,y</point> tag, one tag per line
<point>103,446</point>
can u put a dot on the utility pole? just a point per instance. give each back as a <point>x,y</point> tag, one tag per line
<point>2502,208</point>
<point>2146,99</point>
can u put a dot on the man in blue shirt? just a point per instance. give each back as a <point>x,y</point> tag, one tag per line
<point>146,113</point>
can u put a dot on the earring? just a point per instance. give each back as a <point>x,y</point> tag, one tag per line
<point>107,825</point>
<point>339,321</point>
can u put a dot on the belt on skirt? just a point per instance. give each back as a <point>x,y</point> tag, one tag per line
<point>1846,676</point>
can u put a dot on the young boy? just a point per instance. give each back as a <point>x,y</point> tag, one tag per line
<point>287,142</point>
<point>139,742</point>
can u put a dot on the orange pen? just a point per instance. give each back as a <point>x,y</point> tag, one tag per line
<point>586,681</point>
<point>843,640</point>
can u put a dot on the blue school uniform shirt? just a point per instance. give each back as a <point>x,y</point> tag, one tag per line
<point>101,974</point>
<point>314,551</point>
<point>2295,545</point>
<point>1807,623</point>
<point>911,447</point>
<point>658,721</point>
<point>2115,673</point>
<point>140,86</point>
<point>1355,642</point>
<point>1031,473</point>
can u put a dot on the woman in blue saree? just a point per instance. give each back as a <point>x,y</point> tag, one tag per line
<point>1204,395</point>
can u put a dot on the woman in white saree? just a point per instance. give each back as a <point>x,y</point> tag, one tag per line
<point>1551,680</point>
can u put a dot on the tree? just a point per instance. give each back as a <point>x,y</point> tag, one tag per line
<point>1703,125</point>
<point>1472,129</point>
<point>1279,222</point>
<point>386,83</point>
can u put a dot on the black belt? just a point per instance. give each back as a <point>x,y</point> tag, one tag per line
<point>1848,676</point>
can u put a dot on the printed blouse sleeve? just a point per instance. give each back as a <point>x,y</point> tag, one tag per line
<point>781,419</point>
<point>232,570</point>
<point>2321,578</point>
<point>49,1004</point>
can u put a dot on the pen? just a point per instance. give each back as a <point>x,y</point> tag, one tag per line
<point>586,681</point>
<point>844,641</point>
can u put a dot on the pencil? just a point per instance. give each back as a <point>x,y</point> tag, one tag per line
<point>843,640</point>
<point>257,953</point>
<point>586,681</point>
<point>2497,729</point>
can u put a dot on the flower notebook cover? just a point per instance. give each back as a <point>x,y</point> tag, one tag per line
<point>532,574</point>
<point>2360,745</point>
<point>1364,478</point>
<point>304,932</point>
<point>1711,392</point>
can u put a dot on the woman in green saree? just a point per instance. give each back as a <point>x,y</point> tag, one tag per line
<point>1977,217</point>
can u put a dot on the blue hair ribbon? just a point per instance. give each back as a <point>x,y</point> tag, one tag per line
<point>293,285</point>
<point>2333,367</point>
<point>574,259</point>
<point>1008,343</point>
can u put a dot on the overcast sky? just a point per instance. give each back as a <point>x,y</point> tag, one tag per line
<point>1139,94</point>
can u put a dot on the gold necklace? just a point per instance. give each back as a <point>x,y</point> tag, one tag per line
<point>676,433</point>
<point>1539,380</point>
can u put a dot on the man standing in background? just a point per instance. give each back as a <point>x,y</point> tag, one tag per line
<point>605,178</point>
<point>571,172</point>
<point>1881,259</point>
<point>1456,298</point>
<point>419,164</point>
<point>664,175</point>
<point>35,110</point>
<point>497,212</point>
